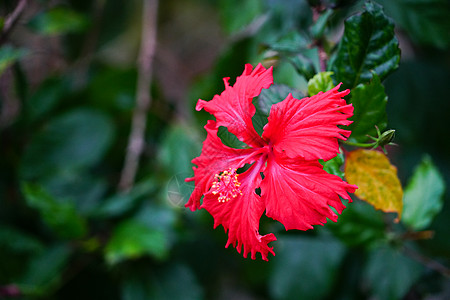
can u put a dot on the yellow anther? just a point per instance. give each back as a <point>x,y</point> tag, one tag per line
<point>226,184</point>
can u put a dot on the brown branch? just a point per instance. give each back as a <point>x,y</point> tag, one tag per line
<point>323,57</point>
<point>143,97</point>
<point>11,20</point>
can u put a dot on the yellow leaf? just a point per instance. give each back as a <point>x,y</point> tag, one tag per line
<point>376,178</point>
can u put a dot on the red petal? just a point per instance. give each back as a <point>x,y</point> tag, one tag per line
<point>240,216</point>
<point>308,128</point>
<point>234,108</point>
<point>215,158</point>
<point>299,195</point>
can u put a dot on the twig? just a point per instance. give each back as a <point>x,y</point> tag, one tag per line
<point>323,57</point>
<point>427,262</point>
<point>11,20</point>
<point>143,98</point>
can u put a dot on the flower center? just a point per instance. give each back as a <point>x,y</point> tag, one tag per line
<point>226,185</point>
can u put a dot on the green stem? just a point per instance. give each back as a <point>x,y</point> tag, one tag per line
<point>364,145</point>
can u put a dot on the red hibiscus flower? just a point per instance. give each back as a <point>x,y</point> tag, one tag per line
<point>285,178</point>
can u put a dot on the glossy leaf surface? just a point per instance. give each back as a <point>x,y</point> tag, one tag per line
<point>368,45</point>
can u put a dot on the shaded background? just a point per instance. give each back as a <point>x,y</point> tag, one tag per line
<point>68,89</point>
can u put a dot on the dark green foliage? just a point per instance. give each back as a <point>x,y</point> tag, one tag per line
<point>60,216</point>
<point>360,225</point>
<point>426,21</point>
<point>294,265</point>
<point>8,55</point>
<point>369,101</point>
<point>74,140</point>
<point>274,94</point>
<point>58,20</point>
<point>390,274</point>
<point>333,166</point>
<point>68,78</point>
<point>368,45</point>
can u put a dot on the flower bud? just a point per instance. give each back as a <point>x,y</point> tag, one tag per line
<point>386,137</point>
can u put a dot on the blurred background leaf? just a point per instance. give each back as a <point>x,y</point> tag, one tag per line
<point>360,225</point>
<point>60,216</point>
<point>426,21</point>
<point>132,239</point>
<point>44,273</point>
<point>423,197</point>
<point>76,139</point>
<point>176,281</point>
<point>58,20</point>
<point>274,94</point>
<point>300,258</point>
<point>390,274</point>
<point>8,55</point>
<point>68,76</point>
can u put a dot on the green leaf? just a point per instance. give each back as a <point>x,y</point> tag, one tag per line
<point>9,55</point>
<point>230,139</point>
<point>18,241</point>
<point>46,97</point>
<point>113,89</point>
<point>274,94</point>
<point>180,145</point>
<point>423,197</point>
<point>304,62</point>
<point>45,272</point>
<point>389,274</point>
<point>318,28</point>
<point>175,281</point>
<point>61,217</point>
<point>17,247</point>
<point>58,20</point>
<point>369,101</point>
<point>368,45</point>
<point>84,189</point>
<point>292,42</point>
<point>321,82</point>
<point>359,225</point>
<point>305,268</point>
<point>294,47</point>
<point>236,15</point>
<point>76,139</point>
<point>163,217</point>
<point>120,204</point>
<point>333,166</point>
<point>132,239</point>
<point>259,119</point>
<point>425,21</point>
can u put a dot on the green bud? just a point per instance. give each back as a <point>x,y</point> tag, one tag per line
<point>386,137</point>
<point>321,82</point>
